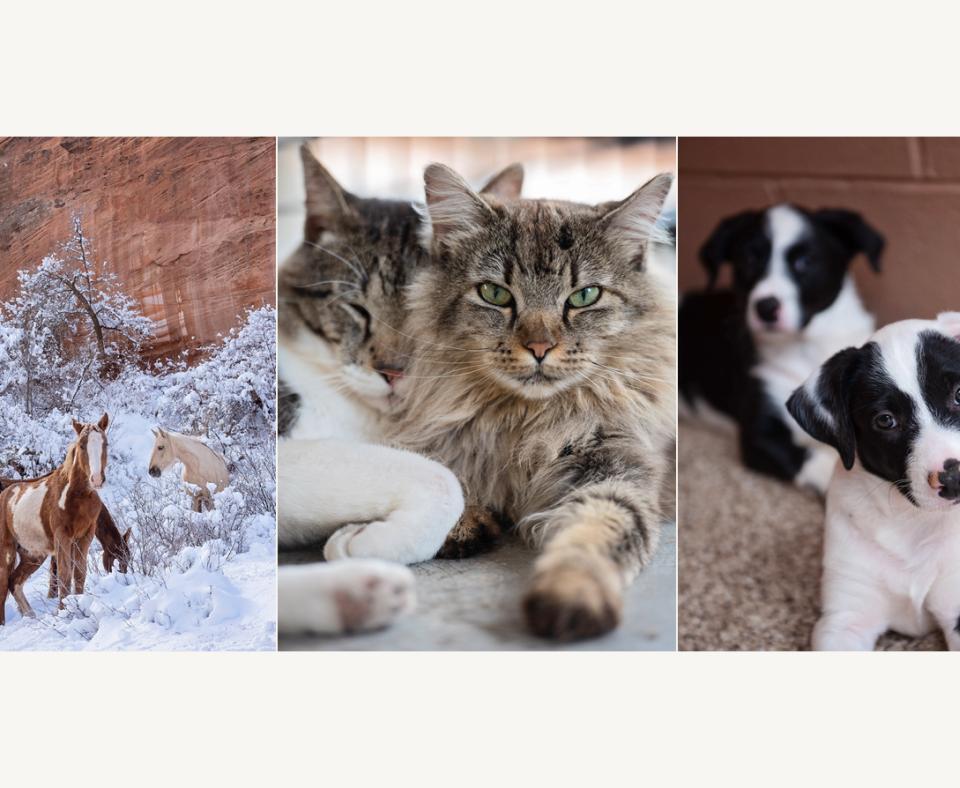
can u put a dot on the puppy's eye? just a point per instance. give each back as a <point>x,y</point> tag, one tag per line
<point>585,297</point>
<point>801,263</point>
<point>956,396</point>
<point>885,421</point>
<point>494,294</point>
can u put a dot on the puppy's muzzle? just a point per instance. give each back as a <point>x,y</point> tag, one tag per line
<point>947,480</point>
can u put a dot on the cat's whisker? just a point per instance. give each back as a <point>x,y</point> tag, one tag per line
<point>355,267</point>
<point>629,374</point>
<point>323,282</point>
<point>422,341</point>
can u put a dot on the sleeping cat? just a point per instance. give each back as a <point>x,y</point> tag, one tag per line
<point>343,352</point>
<point>546,384</point>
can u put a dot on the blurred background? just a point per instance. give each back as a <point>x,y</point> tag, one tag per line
<point>586,170</point>
<point>908,188</point>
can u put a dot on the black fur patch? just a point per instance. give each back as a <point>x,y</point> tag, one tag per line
<point>565,237</point>
<point>288,402</point>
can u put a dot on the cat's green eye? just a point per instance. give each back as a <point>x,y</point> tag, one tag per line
<point>584,297</point>
<point>494,294</point>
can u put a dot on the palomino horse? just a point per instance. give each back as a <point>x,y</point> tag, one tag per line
<point>201,464</point>
<point>54,515</point>
<point>116,546</point>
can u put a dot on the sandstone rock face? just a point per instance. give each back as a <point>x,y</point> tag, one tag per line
<point>187,224</point>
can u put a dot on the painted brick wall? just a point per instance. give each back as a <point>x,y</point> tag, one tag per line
<point>908,188</point>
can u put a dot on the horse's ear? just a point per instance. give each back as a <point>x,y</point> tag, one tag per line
<point>77,426</point>
<point>104,421</point>
<point>126,536</point>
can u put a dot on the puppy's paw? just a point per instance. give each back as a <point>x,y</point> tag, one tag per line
<point>477,531</point>
<point>338,545</point>
<point>372,594</point>
<point>572,602</point>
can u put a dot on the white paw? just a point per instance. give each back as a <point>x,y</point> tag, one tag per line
<point>338,545</point>
<point>371,594</point>
<point>343,596</point>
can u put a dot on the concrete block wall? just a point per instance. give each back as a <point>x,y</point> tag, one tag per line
<point>908,188</point>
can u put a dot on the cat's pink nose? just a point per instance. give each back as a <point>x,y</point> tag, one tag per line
<point>392,376</point>
<point>540,349</point>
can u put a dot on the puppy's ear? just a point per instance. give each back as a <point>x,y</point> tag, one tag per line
<point>718,247</point>
<point>328,203</point>
<point>453,208</point>
<point>822,408</point>
<point>854,233</point>
<point>506,184</point>
<point>950,322</point>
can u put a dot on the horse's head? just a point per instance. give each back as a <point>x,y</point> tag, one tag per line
<point>117,552</point>
<point>162,457</point>
<point>91,454</point>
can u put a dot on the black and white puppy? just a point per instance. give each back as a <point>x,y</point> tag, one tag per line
<point>891,409</point>
<point>792,305</point>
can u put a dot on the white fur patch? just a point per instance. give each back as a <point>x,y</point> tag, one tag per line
<point>785,226</point>
<point>62,503</point>
<point>27,525</point>
<point>94,454</point>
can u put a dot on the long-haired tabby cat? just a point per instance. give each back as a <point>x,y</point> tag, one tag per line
<point>343,353</point>
<point>545,381</point>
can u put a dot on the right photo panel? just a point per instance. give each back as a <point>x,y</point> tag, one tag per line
<point>819,381</point>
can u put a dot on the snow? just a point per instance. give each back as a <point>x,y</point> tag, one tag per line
<point>197,581</point>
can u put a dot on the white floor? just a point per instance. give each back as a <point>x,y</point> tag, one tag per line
<point>474,605</point>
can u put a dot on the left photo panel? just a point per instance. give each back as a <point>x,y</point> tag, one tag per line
<point>137,393</point>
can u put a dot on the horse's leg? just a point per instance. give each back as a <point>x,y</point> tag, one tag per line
<point>8,555</point>
<point>18,579</point>
<point>63,551</point>
<point>52,583</point>
<point>80,549</point>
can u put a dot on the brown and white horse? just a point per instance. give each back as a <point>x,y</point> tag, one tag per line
<point>116,545</point>
<point>116,549</point>
<point>54,515</point>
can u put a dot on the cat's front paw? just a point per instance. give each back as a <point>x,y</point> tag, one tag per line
<point>477,531</point>
<point>572,602</point>
<point>372,594</point>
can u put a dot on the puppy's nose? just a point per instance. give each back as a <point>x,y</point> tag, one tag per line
<point>947,481</point>
<point>768,309</point>
<point>539,349</point>
<point>391,375</point>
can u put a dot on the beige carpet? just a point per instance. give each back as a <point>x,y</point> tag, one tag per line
<point>749,555</point>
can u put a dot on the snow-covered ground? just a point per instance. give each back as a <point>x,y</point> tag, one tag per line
<point>197,581</point>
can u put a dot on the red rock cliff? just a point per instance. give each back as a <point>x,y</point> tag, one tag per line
<point>187,224</point>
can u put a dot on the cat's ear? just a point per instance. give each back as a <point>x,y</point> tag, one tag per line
<point>328,203</point>
<point>453,208</point>
<point>821,406</point>
<point>632,223</point>
<point>506,184</point>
